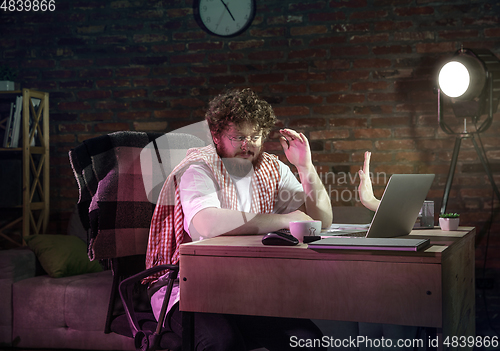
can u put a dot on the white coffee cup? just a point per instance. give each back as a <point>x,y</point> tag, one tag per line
<point>299,229</point>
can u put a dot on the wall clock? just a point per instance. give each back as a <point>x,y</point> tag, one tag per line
<point>224,18</point>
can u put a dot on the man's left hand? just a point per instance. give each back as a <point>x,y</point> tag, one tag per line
<point>296,147</point>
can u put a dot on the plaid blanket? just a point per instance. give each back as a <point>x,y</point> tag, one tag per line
<point>113,202</point>
<point>120,176</point>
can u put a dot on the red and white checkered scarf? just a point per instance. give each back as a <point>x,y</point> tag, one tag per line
<point>167,225</point>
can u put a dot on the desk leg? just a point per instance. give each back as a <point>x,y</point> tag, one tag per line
<point>187,331</point>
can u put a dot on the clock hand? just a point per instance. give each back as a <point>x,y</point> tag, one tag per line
<point>227,8</point>
<point>220,18</point>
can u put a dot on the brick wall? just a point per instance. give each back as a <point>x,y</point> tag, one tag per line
<point>353,75</point>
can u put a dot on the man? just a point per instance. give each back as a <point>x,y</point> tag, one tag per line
<point>230,189</point>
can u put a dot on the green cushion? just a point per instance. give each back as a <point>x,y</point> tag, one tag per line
<point>62,255</point>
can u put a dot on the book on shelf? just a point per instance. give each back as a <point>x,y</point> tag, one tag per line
<point>7,139</point>
<point>13,134</point>
<point>17,122</point>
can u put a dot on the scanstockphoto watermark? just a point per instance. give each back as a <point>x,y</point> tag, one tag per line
<point>348,178</point>
<point>343,186</point>
<point>356,342</point>
<point>454,342</point>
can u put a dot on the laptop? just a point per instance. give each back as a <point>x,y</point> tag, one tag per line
<point>399,206</point>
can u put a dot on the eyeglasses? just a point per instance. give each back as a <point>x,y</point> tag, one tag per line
<point>237,141</point>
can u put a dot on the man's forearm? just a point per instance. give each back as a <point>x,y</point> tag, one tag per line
<point>212,221</point>
<point>318,204</point>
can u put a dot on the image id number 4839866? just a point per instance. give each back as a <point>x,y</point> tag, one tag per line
<point>28,5</point>
<point>470,341</point>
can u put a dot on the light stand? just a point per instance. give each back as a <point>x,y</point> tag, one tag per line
<point>485,96</point>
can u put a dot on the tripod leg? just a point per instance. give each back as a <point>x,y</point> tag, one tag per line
<point>451,173</point>
<point>486,167</point>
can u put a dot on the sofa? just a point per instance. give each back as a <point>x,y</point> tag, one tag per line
<point>54,297</point>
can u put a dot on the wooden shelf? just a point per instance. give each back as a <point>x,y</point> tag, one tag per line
<point>10,149</point>
<point>34,153</point>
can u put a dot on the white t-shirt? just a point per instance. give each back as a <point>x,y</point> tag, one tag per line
<point>198,190</point>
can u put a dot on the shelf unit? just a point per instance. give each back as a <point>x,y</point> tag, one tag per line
<point>34,155</point>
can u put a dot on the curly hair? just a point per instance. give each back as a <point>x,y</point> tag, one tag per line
<point>239,106</point>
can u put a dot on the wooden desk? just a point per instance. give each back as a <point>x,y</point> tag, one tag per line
<point>431,288</point>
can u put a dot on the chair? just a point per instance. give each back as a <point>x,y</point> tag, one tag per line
<point>119,177</point>
<point>147,333</point>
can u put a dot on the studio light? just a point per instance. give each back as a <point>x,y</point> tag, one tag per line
<point>471,79</point>
<point>471,82</point>
<point>460,80</point>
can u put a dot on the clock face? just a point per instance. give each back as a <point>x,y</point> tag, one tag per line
<point>225,18</point>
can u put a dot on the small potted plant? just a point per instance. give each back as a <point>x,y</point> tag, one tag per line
<point>7,77</point>
<point>449,221</point>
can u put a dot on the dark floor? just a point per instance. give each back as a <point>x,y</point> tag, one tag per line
<point>488,308</point>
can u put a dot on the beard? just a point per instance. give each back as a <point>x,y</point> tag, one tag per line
<point>242,162</point>
<point>238,167</point>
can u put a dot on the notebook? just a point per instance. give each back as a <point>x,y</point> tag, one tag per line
<point>399,206</point>
<point>390,244</point>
